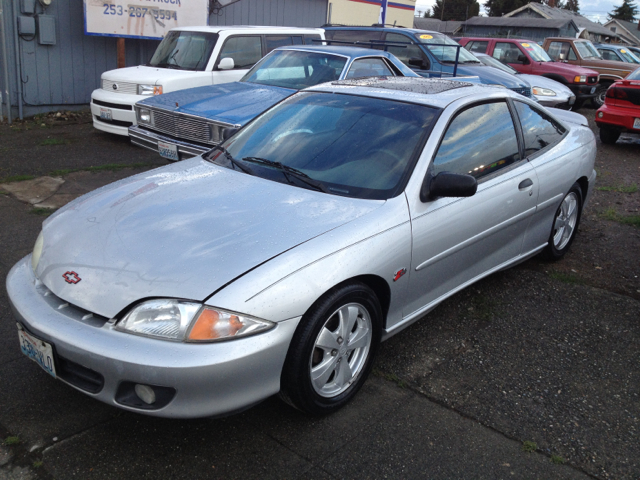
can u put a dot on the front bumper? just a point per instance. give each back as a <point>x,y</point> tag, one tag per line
<point>120,106</point>
<point>559,101</point>
<point>584,92</point>
<point>209,379</point>
<point>148,139</point>
<point>620,118</point>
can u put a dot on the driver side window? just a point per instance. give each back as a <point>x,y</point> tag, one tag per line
<point>479,141</point>
<point>404,53</point>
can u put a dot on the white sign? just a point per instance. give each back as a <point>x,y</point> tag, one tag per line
<point>142,18</point>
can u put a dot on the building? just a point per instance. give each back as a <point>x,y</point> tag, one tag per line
<point>536,29</point>
<point>628,33</point>
<point>367,12</point>
<point>48,63</point>
<point>450,28</point>
<point>587,29</point>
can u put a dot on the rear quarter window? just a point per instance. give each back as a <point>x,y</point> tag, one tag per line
<point>539,130</point>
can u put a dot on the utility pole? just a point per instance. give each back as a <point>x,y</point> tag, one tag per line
<point>442,12</point>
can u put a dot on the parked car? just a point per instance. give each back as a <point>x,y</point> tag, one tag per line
<point>621,109</point>
<point>546,91</point>
<point>188,57</point>
<point>278,261</point>
<point>617,53</point>
<point>189,122</point>
<point>578,51</point>
<point>635,51</point>
<point>529,58</point>
<point>422,51</point>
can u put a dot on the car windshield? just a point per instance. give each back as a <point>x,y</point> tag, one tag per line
<point>635,75</point>
<point>184,50</point>
<point>587,50</point>
<point>493,62</point>
<point>434,42</point>
<point>296,69</point>
<point>536,52</point>
<point>630,57</point>
<point>347,145</point>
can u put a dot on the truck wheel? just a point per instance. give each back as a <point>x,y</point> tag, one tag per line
<point>577,105</point>
<point>609,135</point>
<point>601,92</point>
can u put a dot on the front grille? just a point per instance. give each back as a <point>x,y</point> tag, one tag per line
<point>526,91</point>
<point>182,127</point>
<point>112,105</point>
<point>592,79</point>
<point>120,87</point>
<point>117,123</point>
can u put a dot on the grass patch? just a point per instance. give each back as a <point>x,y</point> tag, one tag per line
<point>45,212</point>
<point>529,446</point>
<point>110,167</point>
<point>37,464</point>
<point>53,141</point>
<point>565,278</point>
<point>16,178</point>
<point>557,459</point>
<point>12,441</point>
<point>620,188</point>
<point>391,377</point>
<point>611,214</point>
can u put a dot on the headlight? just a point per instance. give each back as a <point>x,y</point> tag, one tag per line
<point>149,89</point>
<point>188,321</point>
<point>496,85</point>
<point>544,92</point>
<point>144,115</point>
<point>37,251</point>
<point>580,79</point>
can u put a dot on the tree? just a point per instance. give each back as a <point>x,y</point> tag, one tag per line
<point>497,8</point>
<point>427,13</point>
<point>627,11</point>
<point>456,9</point>
<point>572,5</point>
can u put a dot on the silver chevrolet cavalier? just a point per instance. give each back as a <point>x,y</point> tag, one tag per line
<point>278,261</point>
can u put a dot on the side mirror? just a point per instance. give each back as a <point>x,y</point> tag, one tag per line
<point>226,64</point>
<point>561,57</point>
<point>228,132</point>
<point>523,60</point>
<point>447,184</point>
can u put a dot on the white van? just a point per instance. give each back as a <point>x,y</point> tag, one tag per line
<point>188,57</point>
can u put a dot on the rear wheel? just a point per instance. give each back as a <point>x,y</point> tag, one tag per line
<point>609,135</point>
<point>565,224</point>
<point>332,350</point>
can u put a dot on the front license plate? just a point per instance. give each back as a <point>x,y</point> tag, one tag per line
<point>168,150</point>
<point>636,123</point>
<point>593,90</point>
<point>37,350</point>
<point>105,114</point>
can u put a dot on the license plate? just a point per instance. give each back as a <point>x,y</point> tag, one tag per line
<point>636,123</point>
<point>168,150</point>
<point>593,89</point>
<point>37,350</point>
<point>105,114</point>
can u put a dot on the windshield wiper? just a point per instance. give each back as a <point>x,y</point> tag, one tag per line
<point>287,170</point>
<point>168,65</point>
<point>236,164</point>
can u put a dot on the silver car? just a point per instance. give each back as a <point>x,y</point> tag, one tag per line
<point>279,261</point>
<point>546,91</point>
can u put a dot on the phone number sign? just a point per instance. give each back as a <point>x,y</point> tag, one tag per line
<point>142,18</point>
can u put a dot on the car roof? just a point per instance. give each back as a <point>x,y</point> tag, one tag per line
<point>255,29</point>
<point>386,29</point>
<point>434,92</point>
<point>498,39</point>
<point>349,51</point>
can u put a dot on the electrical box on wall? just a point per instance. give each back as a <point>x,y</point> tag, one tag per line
<point>28,6</point>
<point>46,29</point>
<point>26,26</point>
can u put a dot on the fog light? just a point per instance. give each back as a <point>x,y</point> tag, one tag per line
<point>600,114</point>
<point>145,393</point>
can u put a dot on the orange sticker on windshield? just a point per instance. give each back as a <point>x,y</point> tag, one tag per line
<point>426,37</point>
<point>623,51</point>
<point>525,45</point>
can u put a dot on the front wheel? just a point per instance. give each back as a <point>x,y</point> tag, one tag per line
<point>601,93</point>
<point>332,350</point>
<point>608,135</point>
<point>565,224</point>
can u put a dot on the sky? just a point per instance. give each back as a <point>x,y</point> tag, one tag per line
<point>594,10</point>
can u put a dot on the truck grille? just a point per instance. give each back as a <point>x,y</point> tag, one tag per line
<point>526,91</point>
<point>198,129</point>
<point>120,87</point>
<point>592,80</point>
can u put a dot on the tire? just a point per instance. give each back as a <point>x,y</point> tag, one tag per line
<point>577,105</point>
<point>314,378</point>
<point>565,224</point>
<point>601,93</point>
<point>608,135</point>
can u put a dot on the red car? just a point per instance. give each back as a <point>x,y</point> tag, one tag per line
<point>621,109</point>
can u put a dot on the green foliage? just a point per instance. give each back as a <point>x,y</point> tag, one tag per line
<point>529,446</point>
<point>458,10</point>
<point>427,13</point>
<point>45,212</point>
<point>572,5</point>
<point>12,441</point>
<point>557,459</point>
<point>54,141</point>
<point>627,11</point>
<point>497,8</point>
<point>633,188</point>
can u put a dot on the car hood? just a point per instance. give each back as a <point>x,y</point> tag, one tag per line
<point>565,69</point>
<point>492,76</point>
<point>235,103</point>
<point>181,231</point>
<point>144,75</point>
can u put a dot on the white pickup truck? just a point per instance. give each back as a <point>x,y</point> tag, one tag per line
<point>188,57</point>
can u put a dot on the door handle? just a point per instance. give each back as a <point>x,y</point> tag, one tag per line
<point>525,184</point>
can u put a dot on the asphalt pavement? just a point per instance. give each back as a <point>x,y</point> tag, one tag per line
<point>522,375</point>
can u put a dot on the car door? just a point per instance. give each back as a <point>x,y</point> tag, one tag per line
<point>245,50</point>
<point>411,55</point>
<point>458,240</point>
<point>511,54</point>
